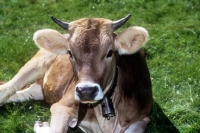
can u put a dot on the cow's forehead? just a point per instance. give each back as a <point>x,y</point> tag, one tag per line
<point>88,23</point>
<point>91,32</point>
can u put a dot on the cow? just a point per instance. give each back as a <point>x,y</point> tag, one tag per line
<point>93,78</point>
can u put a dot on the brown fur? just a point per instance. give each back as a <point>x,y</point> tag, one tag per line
<point>2,82</point>
<point>134,94</point>
<point>59,78</point>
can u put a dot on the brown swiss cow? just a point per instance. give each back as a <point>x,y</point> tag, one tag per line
<point>94,79</point>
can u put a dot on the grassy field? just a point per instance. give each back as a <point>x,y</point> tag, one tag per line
<point>173,54</point>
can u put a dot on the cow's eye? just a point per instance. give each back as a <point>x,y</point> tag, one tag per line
<point>70,54</point>
<point>109,54</point>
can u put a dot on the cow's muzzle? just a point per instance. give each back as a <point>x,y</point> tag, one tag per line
<point>88,92</point>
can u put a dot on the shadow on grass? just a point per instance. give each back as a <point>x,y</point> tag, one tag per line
<point>160,123</point>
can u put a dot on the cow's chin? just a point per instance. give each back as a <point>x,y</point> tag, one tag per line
<point>91,101</point>
<point>88,102</point>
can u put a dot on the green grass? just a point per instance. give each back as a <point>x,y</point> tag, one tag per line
<point>173,54</point>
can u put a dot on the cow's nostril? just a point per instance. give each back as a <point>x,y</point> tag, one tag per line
<point>79,89</point>
<point>94,91</point>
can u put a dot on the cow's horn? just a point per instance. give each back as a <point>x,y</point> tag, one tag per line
<point>117,24</point>
<point>63,25</point>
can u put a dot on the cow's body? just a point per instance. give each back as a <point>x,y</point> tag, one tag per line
<point>131,105</point>
<point>83,76</point>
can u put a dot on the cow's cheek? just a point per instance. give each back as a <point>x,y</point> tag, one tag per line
<point>108,74</point>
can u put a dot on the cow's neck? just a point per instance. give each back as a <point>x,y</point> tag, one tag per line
<point>110,92</point>
<point>107,105</point>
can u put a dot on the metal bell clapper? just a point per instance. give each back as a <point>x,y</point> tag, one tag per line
<point>107,108</point>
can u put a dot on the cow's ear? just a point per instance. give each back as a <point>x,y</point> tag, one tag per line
<point>131,40</point>
<point>51,41</point>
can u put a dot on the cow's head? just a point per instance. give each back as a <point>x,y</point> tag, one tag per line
<point>91,44</point>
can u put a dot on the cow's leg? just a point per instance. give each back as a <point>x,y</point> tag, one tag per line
<point>63,114</point>
<point>60,119</point>
<point>41,127</point>
<point>31,71</point>
<point>34,92</point>
<point>138,127</point>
